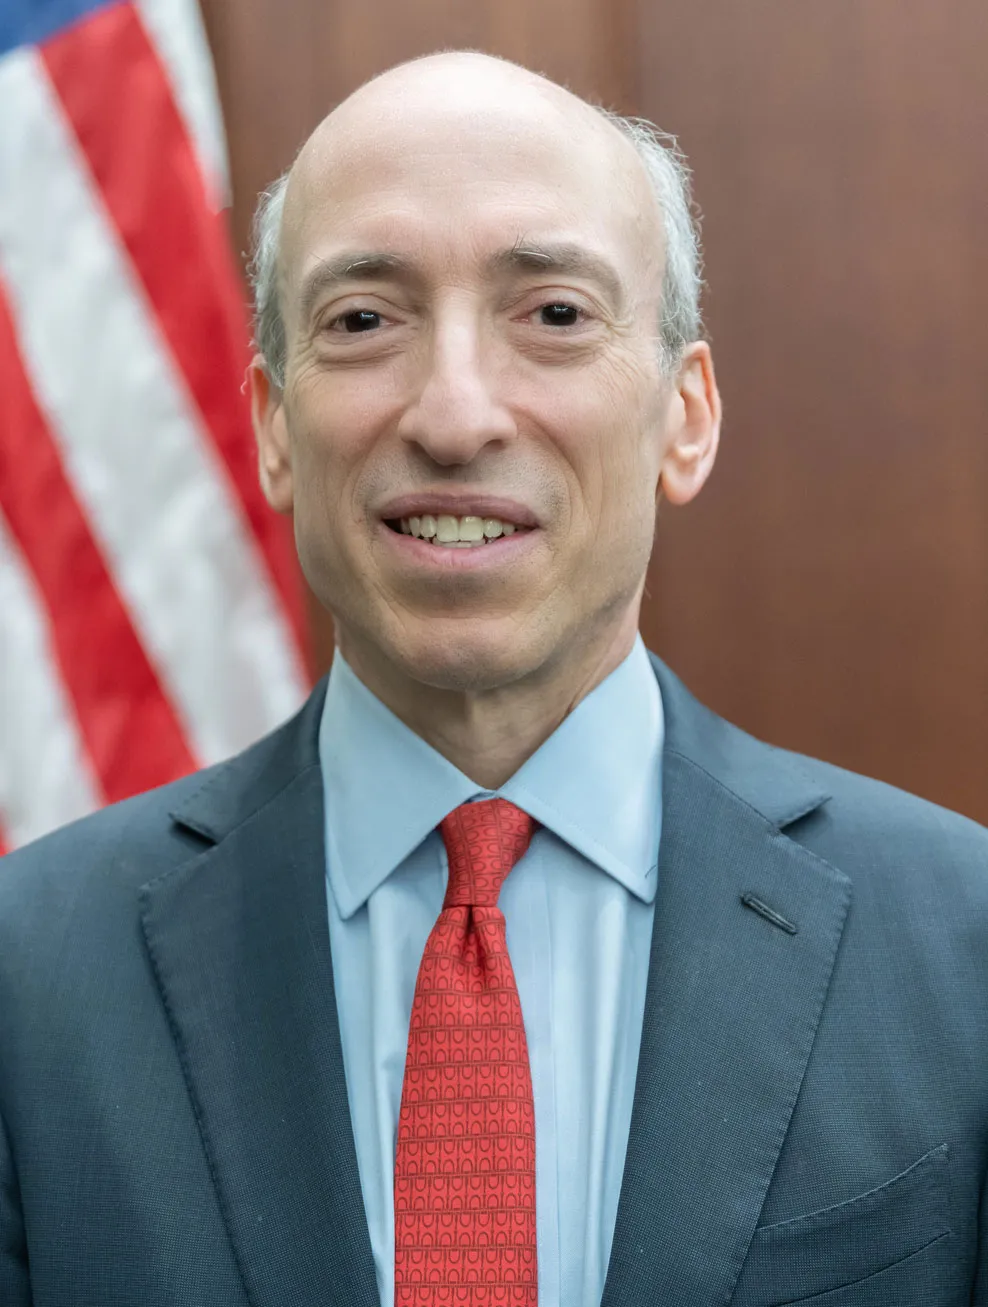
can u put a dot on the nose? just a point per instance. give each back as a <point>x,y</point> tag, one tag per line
<point>459,404</point>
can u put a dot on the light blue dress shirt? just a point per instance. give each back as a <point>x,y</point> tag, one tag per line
<point>578,906</point>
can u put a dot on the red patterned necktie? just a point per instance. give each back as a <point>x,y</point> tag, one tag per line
<point>465,1162</point>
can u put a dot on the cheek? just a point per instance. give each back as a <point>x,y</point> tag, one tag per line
<point>334,426</point>
<point>611,438</point>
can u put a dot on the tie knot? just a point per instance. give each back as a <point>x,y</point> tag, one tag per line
<point>484,841</point>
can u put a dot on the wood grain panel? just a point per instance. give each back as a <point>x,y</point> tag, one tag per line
<point>828,589</point>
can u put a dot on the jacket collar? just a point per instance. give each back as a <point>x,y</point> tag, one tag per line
<point>769,780</point>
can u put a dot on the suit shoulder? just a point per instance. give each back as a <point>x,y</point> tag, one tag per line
<point>894,840</point>
<point>130,843</point>
<point>127,842</point>
<point>874,803</point>
<point>801,794</point>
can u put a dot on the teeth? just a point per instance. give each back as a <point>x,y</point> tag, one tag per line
<point>457,531</point>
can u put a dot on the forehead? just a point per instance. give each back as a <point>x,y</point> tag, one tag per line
<point>449,179</point>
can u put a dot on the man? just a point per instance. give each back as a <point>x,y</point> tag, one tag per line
<point>730,1047</point>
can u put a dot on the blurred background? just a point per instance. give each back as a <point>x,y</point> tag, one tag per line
<point>828,591</point>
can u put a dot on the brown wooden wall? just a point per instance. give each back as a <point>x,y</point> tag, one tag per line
<point>829,589</point>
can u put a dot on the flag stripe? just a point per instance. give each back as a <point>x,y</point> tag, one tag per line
<point>115,691</point>
<point>158,203</point>
<point>129,439</point>
<point>43,764</point>
<point>176,31</point>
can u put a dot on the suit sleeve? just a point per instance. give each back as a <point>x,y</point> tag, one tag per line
<point>15,1287</point>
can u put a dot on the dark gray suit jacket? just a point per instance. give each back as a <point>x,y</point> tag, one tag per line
<point>811,1112</point>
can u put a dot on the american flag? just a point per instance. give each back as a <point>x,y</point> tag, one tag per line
<point>150,620</point>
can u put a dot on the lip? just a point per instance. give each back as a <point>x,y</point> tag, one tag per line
<point>459,505</point>
<point>505,551</point>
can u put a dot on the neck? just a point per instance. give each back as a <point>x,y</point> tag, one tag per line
<point>489,733</point>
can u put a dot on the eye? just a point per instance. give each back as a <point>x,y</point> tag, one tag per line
<point>357,320</point>
<point>354,322</point>
<point>559,315</point>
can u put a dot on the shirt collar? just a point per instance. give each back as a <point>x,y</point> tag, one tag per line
<point>595,783</point>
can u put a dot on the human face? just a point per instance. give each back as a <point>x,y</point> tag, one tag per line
<point>471,296</point>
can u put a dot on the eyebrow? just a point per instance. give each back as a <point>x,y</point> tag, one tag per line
<point>525,258</point>
<point>566,259</point>
<point>328,274</point>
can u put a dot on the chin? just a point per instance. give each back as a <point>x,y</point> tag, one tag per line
<point>462,663</point>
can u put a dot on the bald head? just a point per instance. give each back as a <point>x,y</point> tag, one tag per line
<point>429,97</point>
<point>415,123</point>
<point>467,74</point>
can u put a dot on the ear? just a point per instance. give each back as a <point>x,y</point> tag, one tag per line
<point>692,427</point>
<point>267,411</point>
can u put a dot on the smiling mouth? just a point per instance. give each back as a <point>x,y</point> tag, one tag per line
<point>447,532</point>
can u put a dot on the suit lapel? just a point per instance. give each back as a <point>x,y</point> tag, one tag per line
<point>732,1006</point>
<point>239,944</point>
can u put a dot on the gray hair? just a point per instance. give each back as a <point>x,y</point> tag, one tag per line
<point>669,177</point>
<point>682,279</point>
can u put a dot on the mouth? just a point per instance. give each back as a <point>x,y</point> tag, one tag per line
<point>454,532</point>
<point>486,551</point>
